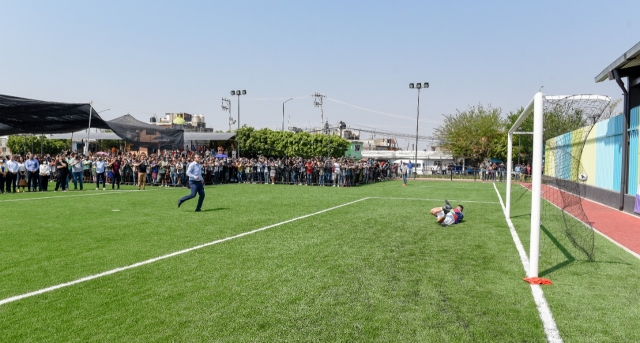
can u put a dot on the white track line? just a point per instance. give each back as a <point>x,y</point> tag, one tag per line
<point>549,325</point>
<point>139,264</point>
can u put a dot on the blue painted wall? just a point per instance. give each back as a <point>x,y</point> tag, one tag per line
<point>634,153</point>
<point>609,153</point>
<point>607,156</point>
<point>563,156</point>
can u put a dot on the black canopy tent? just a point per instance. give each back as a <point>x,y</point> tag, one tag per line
<point>20,115</point>
<point>146,135</point>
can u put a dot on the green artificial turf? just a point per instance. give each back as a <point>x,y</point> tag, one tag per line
<point>376,270</point>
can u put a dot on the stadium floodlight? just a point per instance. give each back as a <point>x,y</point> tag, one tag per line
<point>418,86</point>
<point>238,93</point>
<point>556,185</point>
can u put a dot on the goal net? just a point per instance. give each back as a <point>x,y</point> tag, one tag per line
<point>556,129</point>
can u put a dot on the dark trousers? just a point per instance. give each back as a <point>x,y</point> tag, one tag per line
<point>98,177</point>
<point>1,183</point>
<point>62,181</point>
<point>10,182</point>
<point>115,180</point>
<point>196,187</point>
<point>32,180</point>
<point>44,182</point>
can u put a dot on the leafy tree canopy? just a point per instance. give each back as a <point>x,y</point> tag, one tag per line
<point>279,144</point>
<point>37,144</point>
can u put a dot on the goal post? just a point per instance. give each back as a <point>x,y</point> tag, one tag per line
<point>561,127</point>
<point>535,106</point>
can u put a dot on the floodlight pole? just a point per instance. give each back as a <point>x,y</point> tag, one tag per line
<point>415,164</point>
<point>418,86</point>
<point>238,93</point>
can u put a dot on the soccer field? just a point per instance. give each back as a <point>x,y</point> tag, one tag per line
<point>276,263</point>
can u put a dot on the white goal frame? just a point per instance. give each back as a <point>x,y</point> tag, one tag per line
<point>536,106</point>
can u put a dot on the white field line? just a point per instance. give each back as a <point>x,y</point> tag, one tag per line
<point>89,194</point>
<point>149,261</point>
<point>424,199</point>
<point>548,323</point>
<point>447,187</point>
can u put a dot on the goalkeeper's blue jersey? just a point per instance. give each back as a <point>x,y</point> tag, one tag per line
<point>458,216</point>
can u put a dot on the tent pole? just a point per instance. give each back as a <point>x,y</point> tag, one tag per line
<point>89,130</point>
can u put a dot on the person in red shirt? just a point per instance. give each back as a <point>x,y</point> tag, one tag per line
<point>115,169</point>
<point>309,169</point>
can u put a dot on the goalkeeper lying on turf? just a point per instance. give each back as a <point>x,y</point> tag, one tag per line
<point>447,215</point>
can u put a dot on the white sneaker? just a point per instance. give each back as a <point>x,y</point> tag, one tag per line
<point>104,189</point>
<point>96,189</point>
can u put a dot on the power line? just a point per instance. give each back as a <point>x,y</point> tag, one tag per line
<point>380,112</point>
<point>368,129</point>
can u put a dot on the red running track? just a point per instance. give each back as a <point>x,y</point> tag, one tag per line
<point>621,227</point>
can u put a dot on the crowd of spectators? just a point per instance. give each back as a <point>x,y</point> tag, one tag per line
<point>33,173</point>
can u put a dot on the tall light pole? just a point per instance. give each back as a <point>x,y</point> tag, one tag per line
<point>418,86</point>
<point>238,93</point>
<point>226,106</point>
<point>283,112</point>
<point>86,147</point>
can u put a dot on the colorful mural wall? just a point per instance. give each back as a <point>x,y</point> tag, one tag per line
<point>601,157</point>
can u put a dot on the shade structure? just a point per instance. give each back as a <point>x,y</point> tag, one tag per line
<point>142,134</point>
<point>20,115</point>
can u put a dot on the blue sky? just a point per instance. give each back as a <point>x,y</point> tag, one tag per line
<point>145,57</point>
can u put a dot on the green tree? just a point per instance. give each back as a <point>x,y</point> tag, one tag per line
<point>37,144</point>
<point>279,144</point>
<point>522,143</point>
<point>474,133</point>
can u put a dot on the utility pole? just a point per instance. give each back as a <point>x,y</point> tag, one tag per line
<point>226,106</point>
<point>283,112</point>
<point>317,102</point>
<point>326,126</point>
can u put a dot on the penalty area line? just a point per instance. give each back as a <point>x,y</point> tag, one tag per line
<point>149,261</point>
<point>425,199</point>
<point>548,323</point>
<point>79,195</point>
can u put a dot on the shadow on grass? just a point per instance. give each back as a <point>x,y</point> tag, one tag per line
<point>522,215</point>
<point>215,209</point>
<point>569,258</point>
